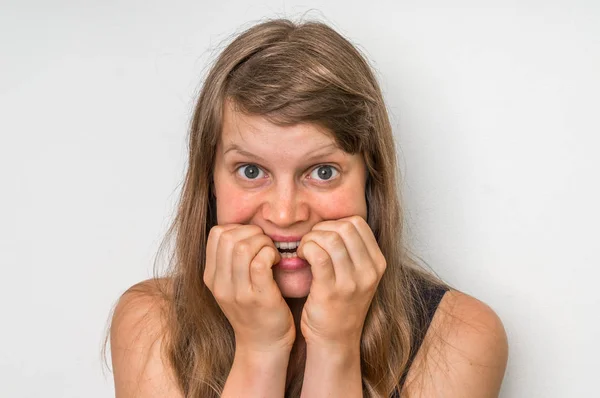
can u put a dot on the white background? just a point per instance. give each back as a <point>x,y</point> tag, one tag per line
<point>495,106</point>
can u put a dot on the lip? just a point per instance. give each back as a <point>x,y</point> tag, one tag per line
<point>291,264</point>
<point>279,238</point>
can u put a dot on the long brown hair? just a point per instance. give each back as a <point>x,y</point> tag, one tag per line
<point>291,73</point>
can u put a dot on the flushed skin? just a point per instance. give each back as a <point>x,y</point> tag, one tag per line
<point>287,198</point>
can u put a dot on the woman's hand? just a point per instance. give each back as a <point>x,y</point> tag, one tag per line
<point>346,265</point>
<point>238,273</point>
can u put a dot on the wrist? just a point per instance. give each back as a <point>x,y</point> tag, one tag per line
<point>262,357</point>
<point>333,357</point>
<point>257,373</point>
<point>332,369</point>
<point>334,351</point>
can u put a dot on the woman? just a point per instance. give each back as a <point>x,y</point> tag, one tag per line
<point>290,275</point>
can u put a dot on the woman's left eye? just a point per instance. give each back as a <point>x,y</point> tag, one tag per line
<point>324,173</point>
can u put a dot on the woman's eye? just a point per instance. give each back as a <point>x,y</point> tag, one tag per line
<point>253,172</point>
<point>249,171</point>
<point>324,173</point>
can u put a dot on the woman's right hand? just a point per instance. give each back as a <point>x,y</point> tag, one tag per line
<point>238,273</point>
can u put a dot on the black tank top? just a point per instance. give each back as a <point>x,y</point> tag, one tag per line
<point>432,295</point>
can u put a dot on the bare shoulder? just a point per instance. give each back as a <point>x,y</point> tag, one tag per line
<point>137,339</point>
<point>464,353</point>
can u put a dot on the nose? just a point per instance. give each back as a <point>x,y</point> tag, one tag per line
<point>285,205</point>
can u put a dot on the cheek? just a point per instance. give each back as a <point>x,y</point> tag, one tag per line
<point>234,208</point>
<point>233,204</point>
<point>343,203</point>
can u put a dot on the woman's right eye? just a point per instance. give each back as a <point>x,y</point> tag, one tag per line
<point>249,171</point>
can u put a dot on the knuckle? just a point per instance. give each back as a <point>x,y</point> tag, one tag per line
<point>347,227</point>
<point>348,288</point>
<point>371,278</point>
<point>221,295</point>
<point>382,262</point>
<point>322,260</point>
<point>358,220</point>
<point>206,279</point>
<point>257,266</point>
<point>244,297</point>
<point>215,232</point>
<point>241,248</point>
<point>227,237</point>
<point>255,228</point>
<point>263,241</point>
<point>306,238</point>
<point>334,239</point>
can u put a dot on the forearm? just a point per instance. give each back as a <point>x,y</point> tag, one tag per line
<point>332,372</point>
<point>257,375</point>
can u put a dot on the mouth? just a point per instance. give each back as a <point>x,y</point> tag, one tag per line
<point>287,249</point>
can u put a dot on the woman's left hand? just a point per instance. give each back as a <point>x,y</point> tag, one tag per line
<point>346,265</point>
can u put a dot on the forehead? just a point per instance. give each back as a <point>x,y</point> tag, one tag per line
<point>255,132</point>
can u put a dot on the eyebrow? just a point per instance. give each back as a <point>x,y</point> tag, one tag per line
<point>331,148</point>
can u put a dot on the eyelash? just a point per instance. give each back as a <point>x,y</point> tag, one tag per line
<point>314,168</point>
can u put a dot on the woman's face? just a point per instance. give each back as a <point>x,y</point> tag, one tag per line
<point>285,180</point>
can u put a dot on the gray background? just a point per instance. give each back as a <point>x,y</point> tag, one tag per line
<point>494,105</point>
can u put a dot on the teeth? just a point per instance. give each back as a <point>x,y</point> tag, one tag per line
<point>289,255</point>
<point>287,245</point>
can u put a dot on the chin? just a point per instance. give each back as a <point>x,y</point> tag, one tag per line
<point>293,284</point>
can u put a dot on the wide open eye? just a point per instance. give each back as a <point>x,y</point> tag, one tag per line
<point>249,171</point>
<point>324,173</point>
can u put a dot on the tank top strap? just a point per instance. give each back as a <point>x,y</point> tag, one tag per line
<point>432,296</point>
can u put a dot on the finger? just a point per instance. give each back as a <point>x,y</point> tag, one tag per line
<point>320,263</point>
<point>211,252</point>
<point>370,241</point>
<point>333,244</point>
<point>354,244</point>
<point>244,253</point>
<point>224,257</point>
<point>261,272</point>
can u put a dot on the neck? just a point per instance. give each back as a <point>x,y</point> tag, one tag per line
<point>297,356</point>
<point>296,305</point>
